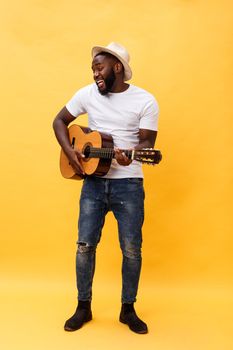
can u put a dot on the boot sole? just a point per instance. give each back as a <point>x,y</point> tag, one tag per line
<point>138,332</point>
<point>68,329</point>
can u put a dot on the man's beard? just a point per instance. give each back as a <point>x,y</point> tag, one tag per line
<point>109,81</point>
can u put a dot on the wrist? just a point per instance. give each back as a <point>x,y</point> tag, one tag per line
<point>69,151</point>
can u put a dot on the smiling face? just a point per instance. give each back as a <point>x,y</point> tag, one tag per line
<point>104,67</point>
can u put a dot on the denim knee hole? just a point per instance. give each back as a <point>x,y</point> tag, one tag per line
<point>85,247</point>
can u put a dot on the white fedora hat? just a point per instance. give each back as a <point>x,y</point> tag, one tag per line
<point>118,51</point>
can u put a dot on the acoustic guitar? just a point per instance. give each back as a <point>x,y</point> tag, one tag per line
<point>99,151</point>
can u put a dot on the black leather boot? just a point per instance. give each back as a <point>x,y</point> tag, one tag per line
<point>82,314</point>
<point>128,316</point>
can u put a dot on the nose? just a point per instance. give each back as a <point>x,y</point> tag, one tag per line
<point>96,74</point>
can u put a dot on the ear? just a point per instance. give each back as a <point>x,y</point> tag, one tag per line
<point>118,67</point>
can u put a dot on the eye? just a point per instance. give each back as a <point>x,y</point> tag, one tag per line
<point>97,67</point>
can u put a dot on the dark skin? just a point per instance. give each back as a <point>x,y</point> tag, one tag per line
<point>102,67</point>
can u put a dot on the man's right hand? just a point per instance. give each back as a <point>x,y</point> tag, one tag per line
<point>75,157</point>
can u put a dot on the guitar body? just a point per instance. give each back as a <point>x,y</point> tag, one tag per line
<point>82,138</point>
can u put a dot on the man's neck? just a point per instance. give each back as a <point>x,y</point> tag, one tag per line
<point>119,87</point>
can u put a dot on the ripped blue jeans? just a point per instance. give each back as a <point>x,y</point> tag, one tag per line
<point>125,198</point>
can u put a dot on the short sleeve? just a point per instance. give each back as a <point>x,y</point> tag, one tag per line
<point>149,115</point>
<point>76,105</point>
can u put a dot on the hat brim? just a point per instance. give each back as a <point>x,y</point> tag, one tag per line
<point>127,69</point>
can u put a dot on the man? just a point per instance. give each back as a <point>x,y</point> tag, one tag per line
<point>129,114</point>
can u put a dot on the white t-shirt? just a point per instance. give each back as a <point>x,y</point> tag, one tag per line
<point>119,114</point>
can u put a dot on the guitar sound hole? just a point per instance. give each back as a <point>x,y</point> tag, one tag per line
<point>87,151</point>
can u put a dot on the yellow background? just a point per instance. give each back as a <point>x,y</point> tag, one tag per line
<point>181,51</point>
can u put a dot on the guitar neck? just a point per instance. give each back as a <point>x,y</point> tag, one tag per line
<point>106,153</point>
<point>144,155</point>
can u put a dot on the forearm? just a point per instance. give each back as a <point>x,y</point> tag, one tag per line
<point>145,144</point>
<point>62,135</point>
<point>146,139</point>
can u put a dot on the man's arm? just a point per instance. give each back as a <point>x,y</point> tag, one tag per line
<point>146,140</point>
<point>60,124</point>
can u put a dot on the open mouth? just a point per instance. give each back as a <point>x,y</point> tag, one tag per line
<point>100,84</point>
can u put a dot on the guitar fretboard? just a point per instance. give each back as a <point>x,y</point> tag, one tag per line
<point>107,153</point>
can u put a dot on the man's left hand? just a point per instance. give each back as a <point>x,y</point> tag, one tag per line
<point>121,158</point>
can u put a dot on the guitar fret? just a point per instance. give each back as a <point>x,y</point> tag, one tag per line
<point>101,153</point>
<point>107,153</point>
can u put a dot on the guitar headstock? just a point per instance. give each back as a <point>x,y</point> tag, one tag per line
<point>148,156</point>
